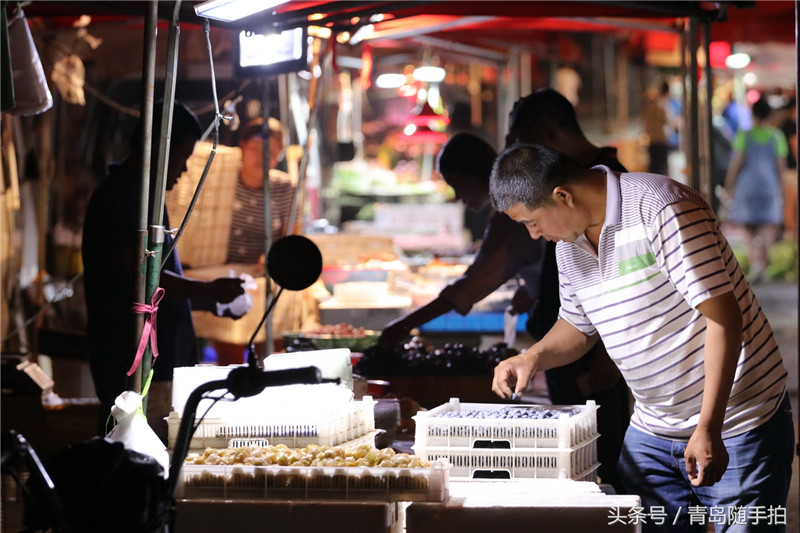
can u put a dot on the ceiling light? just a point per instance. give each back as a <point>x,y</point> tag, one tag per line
<point>362,33</point>
<point>319,31</point>
<point>390,80</point>
<point>429,74</point>
<point>750,79</point>
<point>230,10</point>
<point>739,60</point>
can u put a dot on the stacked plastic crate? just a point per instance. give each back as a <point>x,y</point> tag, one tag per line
<point>511,441</point>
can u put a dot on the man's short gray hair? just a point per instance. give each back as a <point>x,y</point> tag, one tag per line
<point>527,174</point>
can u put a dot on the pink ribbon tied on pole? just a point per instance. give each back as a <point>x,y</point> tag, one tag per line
<point>149,329</point>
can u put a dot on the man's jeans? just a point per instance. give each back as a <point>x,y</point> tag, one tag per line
<point>750,497</point>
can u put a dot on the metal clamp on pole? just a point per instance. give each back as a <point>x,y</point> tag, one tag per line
<point>156,234</point>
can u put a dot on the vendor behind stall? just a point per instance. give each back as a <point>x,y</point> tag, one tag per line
<point>465,162</point>
<point>110,250</point>
<point>247,238</point>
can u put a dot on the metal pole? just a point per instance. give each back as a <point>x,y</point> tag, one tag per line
<point>694,160</point>
<point>797,178</point>
<point>265,147</point>
<point>156,228</point>
<point>146,118</point>
<point>709,144</point>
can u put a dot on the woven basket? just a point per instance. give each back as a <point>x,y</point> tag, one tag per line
<point>205,240</point>
<point>350,249</point>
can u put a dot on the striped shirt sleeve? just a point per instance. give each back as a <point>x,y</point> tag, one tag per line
<point>685,241</point>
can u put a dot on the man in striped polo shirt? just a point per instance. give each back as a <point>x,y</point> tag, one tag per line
<point>644,266</point>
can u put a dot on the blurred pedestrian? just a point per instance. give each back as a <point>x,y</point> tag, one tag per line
<point>657,127</point>
<point>754,186</point>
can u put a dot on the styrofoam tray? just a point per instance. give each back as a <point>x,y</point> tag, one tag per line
<point>433,430</point>
<point>308,483</point>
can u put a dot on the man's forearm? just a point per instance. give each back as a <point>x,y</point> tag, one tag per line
<point>722,347</point>
<point>562,345</point>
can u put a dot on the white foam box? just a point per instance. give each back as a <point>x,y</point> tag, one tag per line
<point>332,363</point>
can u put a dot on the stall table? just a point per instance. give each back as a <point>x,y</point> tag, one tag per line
<point>522,505</point>
<point>221,516</point>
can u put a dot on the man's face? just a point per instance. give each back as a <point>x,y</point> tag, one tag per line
<point>556,221</point>
<point>470,190</point>
<point>178,155</point>
<point>253,154</point>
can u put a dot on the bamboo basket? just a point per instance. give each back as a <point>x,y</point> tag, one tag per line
<point>205,240</point>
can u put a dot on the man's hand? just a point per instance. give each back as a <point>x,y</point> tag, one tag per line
<point>393,333</point>
<point>224,290</point>
<point>513,374</point>
<point>705,458</point>
<point>521,302</point>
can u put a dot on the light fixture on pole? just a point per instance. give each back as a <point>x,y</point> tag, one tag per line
<point>230,10</point>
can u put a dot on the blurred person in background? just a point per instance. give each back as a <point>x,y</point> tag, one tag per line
<point>754,187</point>
<point>465,163</point>
<point>657,126</point>
<point>248,237</point>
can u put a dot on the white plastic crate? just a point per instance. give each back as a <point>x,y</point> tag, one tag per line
<point>296,429</point>
<point>578,463</point>
<point>228,482</point>
<point>433,430</point>
<point>368,438</point>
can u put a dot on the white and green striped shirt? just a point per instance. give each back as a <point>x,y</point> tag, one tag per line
<point>661,253</point>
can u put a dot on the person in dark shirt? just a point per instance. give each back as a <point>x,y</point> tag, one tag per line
<point>546,117</point>
<point>110,251</point>
<point>465,162</point>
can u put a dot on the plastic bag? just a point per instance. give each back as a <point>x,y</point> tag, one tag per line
<point>133,431</point>
<point>30,84</point>
<point>242,304</point>
<point>103,486</point>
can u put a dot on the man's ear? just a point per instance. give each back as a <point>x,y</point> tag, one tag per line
<point>563,195</point>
